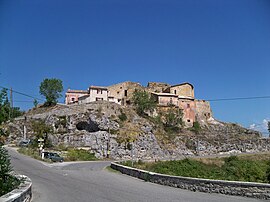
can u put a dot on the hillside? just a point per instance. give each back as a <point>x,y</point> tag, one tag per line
<point>103,126</point>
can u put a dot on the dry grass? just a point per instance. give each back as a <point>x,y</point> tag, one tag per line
<point>258,156</point>
<point>212,161</point>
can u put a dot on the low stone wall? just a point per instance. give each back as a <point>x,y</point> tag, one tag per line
<point>247,189</point>
<point>22,194</point>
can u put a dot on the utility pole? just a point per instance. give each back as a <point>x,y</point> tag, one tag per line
<point>11,103</point>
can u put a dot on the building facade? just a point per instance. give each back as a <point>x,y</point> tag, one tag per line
<point>72,96</point>
<point>180,96</point>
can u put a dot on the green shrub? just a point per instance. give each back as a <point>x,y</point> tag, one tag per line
<point>80,155</point>
<point>196,127</point>
<point>233,168</point>
<point>7,181</point>
<point>122,117</point>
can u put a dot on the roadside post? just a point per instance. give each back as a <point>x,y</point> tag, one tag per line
<point>40,145</point>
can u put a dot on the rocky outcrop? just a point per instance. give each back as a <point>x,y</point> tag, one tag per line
<point>108,128</point>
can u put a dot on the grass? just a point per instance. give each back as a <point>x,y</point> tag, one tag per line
<point>244,168</point>
<point>80,155</point>
<point>30,152</point>
<point>71,154</point>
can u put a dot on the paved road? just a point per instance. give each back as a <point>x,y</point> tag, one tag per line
<point>90,182</point>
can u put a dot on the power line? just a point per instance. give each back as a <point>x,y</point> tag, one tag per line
<point>20,93</point>
<point>22,101</point>
<point>239,98</point>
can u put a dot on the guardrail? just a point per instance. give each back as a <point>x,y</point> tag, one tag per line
<point>21,194</point>
<point>237,188</point>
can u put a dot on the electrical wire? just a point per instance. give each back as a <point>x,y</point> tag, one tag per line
<point>20,93</point>
<point>239,98</point>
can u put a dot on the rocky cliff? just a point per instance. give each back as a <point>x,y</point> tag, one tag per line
<point>103,127</point>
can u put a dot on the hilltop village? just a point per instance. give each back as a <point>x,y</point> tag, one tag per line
<point>165,95</point>
<point>103,121</point>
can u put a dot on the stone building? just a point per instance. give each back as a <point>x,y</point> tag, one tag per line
<point>203,110</point>
<point>189,110</point>
<point>157,87</point>
<point>165,99</point>
<point>122,93</point>
<point>184,90</point>
<point>180,95</point>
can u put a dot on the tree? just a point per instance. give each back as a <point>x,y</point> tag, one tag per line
<point>7,181</point>
<point>35,103</point>
<point>4,106</point>
<point>173,119</point>
<point>51,89</point>
<point>6,111</point>
<point>41,130</point>
<point>143,102</point>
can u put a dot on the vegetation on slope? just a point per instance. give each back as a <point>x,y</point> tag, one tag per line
<point>231,168</point>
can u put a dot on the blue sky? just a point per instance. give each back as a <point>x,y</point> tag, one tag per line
<point>220,46</point>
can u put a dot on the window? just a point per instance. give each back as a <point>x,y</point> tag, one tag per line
<point>125,92</point>
<point>73,99</point>
<point>118,92</point>
<point>97,98</point>
<point>175,92</point>
<point>188,120</point>
<point>98,91</point>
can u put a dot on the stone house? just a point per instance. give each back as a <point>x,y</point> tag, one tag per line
<point>122,93</point>
<point>182,96</point>
<point>165,99</point>
<point>185,90</point>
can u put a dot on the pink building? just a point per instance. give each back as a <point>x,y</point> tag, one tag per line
<point>72,96</point>
<point>181,95</point>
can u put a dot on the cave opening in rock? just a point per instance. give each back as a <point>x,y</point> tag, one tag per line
<point>88,126</point>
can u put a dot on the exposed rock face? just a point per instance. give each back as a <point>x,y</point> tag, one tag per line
<point>97,127</point>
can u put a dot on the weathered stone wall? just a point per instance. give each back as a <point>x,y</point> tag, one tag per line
<point>157,87</point>
<point>247,189</point>
<point>203,111</point>
<point>185,90</point>
<point>123,92</point>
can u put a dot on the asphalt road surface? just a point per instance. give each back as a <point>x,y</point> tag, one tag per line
<point>91,182</point>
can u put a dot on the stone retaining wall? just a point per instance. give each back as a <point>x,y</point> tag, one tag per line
<point>22,194</point>
<point>247,189</point>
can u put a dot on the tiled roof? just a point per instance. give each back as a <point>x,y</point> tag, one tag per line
<point>77,91</point>
<point>98,87</point>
